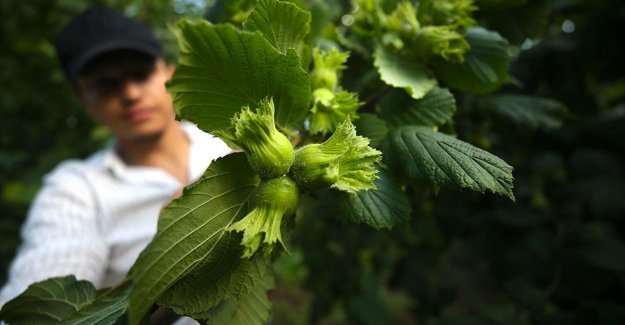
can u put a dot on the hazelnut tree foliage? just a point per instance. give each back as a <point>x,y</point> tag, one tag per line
<point>274,81</point>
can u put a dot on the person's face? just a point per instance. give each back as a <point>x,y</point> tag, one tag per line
<point>126,92</point>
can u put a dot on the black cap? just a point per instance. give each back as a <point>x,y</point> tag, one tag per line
<point>99,30</point>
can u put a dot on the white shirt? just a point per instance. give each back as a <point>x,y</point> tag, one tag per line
<point>92,218</point>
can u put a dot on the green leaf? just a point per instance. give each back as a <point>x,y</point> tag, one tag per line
<point>485,65</point>
<point>381,208</point>
<point>222,313</point>
<point>370,126</point>
<point>109,308</point>
<point>229,10</point>
<point>64,300</point>
<point>254,308</point>
<point>225,275</point>
<point>436,108</point>
<point>251,309</point>
<point>49,302</point>
<point>283,24</point>
<point>438,159</point>
<point>222,69</point>
<point>525,111</point>
<point>191,230</point>
<point>403,72</point>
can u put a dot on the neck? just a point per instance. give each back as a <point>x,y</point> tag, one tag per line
<point>167,150</point>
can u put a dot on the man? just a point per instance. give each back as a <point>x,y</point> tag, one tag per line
<point>92,218</point>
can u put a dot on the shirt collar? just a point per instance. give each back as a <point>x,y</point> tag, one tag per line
<point>113,163</point>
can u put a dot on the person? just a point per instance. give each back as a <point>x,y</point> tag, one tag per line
<point>93,217</point>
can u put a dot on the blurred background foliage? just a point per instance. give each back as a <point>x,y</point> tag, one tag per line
<point>41,123</point>
<point>555,256</point>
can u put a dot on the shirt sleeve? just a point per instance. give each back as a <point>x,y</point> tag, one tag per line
<point>60,235</point>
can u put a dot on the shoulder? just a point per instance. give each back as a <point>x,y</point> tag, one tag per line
<point>76,180</point>
<point>64,204</point>
<point>68,173</point>
<point>73,172</point>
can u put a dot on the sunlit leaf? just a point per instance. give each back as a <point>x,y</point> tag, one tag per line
<point>222,11</point>
<point>191,230</point>
<point>222,69</point>
<point>438,159</point>
<point>403,72</point>
<point>283,24</point>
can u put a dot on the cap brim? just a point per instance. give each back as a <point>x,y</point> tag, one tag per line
<point>102,48</point>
